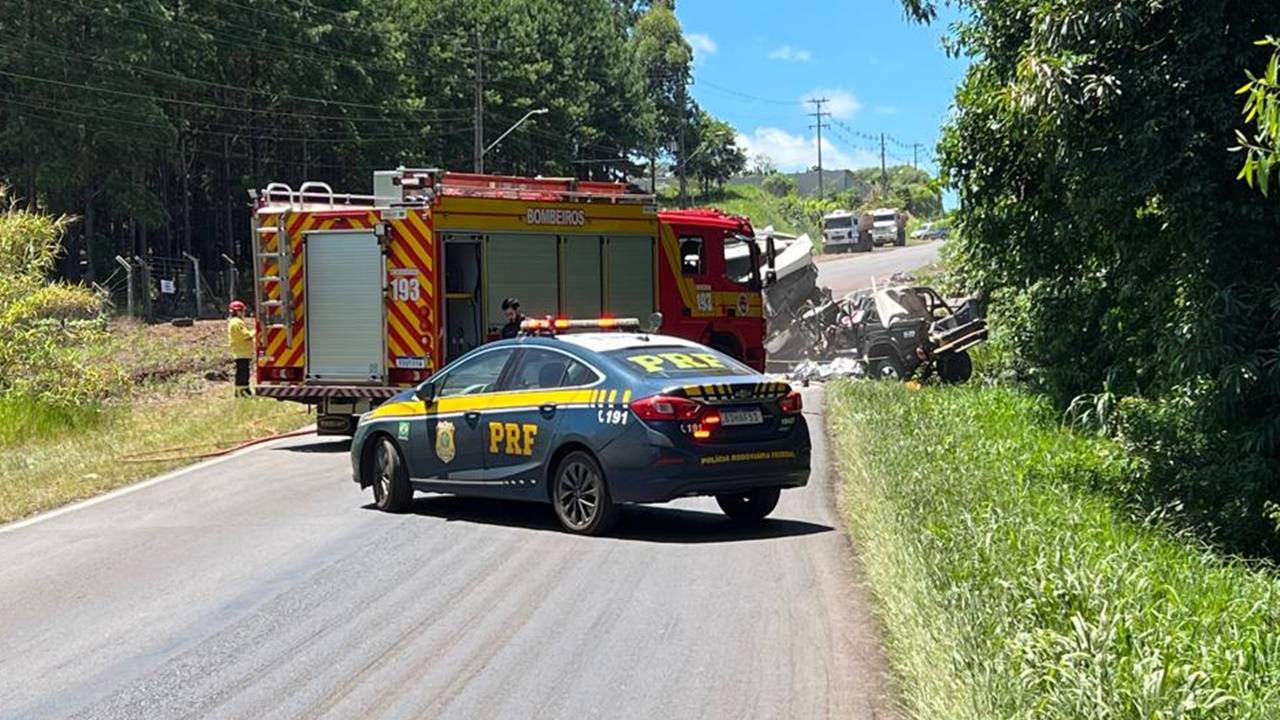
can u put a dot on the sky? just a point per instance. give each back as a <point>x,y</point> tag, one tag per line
<point>756,61</point>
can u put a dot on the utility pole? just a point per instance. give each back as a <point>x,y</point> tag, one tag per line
<point>818,114</point>
<point>884,172</point>
<point>477,153</point>
<point>684,202</point>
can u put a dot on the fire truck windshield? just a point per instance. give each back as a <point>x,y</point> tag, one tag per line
<point>742,259</point>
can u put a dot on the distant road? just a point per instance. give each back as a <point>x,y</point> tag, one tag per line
<point>846,273</point>
<point>265,586</point>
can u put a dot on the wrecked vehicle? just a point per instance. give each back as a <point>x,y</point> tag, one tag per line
<point>902,329</point>
<point>895,331</point>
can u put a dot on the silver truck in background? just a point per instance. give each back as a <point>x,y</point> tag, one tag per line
<point>888,226</point>
<point>845,231</point>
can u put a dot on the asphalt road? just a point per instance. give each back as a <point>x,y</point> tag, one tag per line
<point>846,273</point>
<point>265,586</point>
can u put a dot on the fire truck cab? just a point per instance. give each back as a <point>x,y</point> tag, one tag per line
<point>358,297</point>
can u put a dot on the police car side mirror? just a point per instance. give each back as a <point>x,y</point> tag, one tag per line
<point>426,392</point>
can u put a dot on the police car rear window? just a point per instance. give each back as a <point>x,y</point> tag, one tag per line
<point>679,362</point>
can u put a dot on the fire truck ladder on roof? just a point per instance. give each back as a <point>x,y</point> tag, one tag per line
<point>275,314</point>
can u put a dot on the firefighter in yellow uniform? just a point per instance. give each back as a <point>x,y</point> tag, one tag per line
<point>240,335</point>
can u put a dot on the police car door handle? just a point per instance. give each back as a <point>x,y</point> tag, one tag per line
<point>473,417</point>
<point>547,408</point>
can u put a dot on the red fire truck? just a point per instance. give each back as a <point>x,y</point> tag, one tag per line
<point>358,297</point>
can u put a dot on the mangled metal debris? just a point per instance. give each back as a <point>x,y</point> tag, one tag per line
<point>897,330</point>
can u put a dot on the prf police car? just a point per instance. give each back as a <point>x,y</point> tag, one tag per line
<point>586,422</point>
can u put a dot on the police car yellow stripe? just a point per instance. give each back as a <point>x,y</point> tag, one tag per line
<point>518,400</point>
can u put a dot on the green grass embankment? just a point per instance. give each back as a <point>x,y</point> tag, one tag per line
<point>173,403</point>
<point>1011,586</point>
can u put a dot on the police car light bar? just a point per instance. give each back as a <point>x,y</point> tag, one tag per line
<point>553,325</point>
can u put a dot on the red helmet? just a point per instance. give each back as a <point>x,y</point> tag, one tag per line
<point>236,306</point>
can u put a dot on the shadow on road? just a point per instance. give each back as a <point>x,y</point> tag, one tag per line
<point>329,446</point>
<point>645,523</point>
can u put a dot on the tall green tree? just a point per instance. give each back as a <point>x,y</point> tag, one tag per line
<point>664,59</point>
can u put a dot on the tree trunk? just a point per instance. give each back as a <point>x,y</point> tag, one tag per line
<point>89,273</point>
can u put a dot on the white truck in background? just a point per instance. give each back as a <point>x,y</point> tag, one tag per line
<point>843,231</point>
<point>888,226</point>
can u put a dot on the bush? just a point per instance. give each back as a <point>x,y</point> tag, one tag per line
<point>40,341</point>
<point>55,301</point>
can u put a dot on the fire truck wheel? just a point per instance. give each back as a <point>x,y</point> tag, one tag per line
<point>391,489</point>
<point>751,506</point>
<point>581,496</point>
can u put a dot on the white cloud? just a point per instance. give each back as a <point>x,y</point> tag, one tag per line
<point>702,45</point>
<point>842,104</point>
<point>796,152</point>
<point>786,53</point>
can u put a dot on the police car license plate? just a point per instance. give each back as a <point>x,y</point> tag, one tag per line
<point>742,416</point>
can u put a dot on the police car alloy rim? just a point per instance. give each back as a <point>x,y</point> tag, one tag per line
<point>386,471</point>
<point>578,494</point>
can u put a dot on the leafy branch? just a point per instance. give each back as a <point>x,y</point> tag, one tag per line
<point>1262,109</point>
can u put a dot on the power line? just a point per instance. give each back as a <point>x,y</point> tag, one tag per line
<point>209,83</point>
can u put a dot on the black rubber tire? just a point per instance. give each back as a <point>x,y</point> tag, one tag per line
<point>888,367</point>
<point>955,368</point>
<point>580,495</point>
<point>391,489</point>
<point>751,506</point>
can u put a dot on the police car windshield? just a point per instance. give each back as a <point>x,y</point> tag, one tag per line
<point>678,362</point>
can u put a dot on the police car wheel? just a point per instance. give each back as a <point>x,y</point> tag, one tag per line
<point>391,489</point>
<point>750,506</point>
<point>581,496</point>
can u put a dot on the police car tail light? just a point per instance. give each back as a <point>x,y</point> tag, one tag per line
<point>791,404</point>
<point>667,407</point>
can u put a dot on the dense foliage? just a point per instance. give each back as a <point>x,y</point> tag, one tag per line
<point>150,120</point>
<point>44,325</point>
<point>1011,586</point>
<point>1100,210</point>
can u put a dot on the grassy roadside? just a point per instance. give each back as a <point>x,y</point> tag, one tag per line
<point>56,468</point>
<point>169,397</point>
<point>1011,588</point>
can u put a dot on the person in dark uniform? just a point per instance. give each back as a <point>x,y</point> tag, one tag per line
<point>511,309</point>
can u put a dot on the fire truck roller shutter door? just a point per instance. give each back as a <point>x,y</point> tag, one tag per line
<point>629,266</point>
<point>582,276</point>
<point>524,267</point>
<point>346,329</point>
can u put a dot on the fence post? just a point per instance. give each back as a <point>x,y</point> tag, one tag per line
<point>195,264</point>
<point>146,287</point>
<point>128,273</point>
<point>231,277</point>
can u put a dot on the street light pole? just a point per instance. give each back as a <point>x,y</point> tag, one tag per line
<point>492,145</point>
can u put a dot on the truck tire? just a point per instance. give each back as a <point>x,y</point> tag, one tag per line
<point>888,367</point>
<point>955,368</point>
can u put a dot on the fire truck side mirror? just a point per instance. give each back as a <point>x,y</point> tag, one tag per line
<point>426,392</point>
